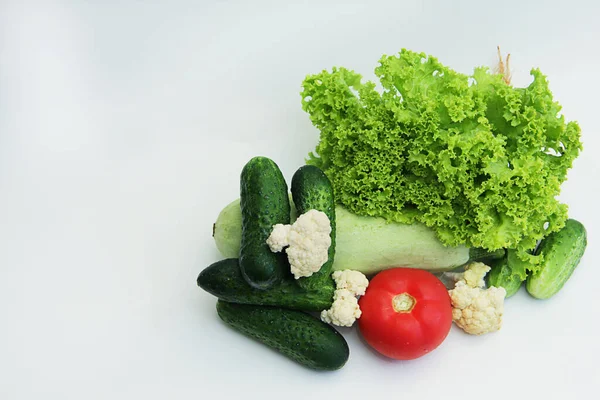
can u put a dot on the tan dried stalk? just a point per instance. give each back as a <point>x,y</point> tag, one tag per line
<point>503,67</point>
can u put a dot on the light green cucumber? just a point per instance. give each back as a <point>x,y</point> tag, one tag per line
<point>365,244</point>
<point>561,252</point>
<point>501,274</point>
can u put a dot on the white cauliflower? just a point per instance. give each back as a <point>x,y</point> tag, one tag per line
<point>475,309</point>
<point>307,240</point>
<point>473,275</point>
<point>344,310</point>
<point>355,281</point>
<point>279,237</point>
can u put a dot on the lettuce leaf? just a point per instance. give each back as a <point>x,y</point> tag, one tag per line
<point>479,161</point>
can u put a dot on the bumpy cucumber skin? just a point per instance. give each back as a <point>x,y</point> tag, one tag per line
<point>224,280</point>
<point>486,256</point>
<point>501,274</point>
<point>364,244</point>
<point>312,190</point>
<point>295,334</point>
<point>561,253</point>
<point>264,202</point>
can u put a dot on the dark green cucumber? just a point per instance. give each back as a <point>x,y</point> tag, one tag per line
<point>264,202</point>
<point>485,256</point>
<point>501,274</point>
<point>312,190</point>
<point>224,280</point>
<point>295,334</point>
<point>561,252</point>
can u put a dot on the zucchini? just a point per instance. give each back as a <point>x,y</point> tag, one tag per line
<point>224,280</point>
<point>365,244</point>
<point>297,335</point>
<point>264,202</point>
<point>501,274</point>
<point>561,252</point>
<point>312,190</point>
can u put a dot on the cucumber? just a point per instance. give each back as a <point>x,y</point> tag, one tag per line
<point>501,274</point>
<point>561,252</point>
<point>295,334</point>
<point>224,280</point>
<point>228,235</point>
<point>365,244</point>
<point>264,202</point>
<point>485,256</point>
<point>312,190</point>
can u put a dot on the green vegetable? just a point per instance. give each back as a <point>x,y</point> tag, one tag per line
<point>561,253</point>
<point>501,274</point>
<point>485,256</point>
<point>227,229</point>
<point>295,334</point>
<point>224,280</point>
<point>311,190</point>
<point>365,244</point>
<point>264,202</point>
<point>475,159</point>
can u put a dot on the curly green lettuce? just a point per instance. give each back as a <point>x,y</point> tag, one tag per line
<point>477,160</point>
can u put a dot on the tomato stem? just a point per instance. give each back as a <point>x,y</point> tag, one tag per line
<point>403,303</point>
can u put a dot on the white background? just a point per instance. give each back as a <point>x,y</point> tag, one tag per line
<point>123,129</point>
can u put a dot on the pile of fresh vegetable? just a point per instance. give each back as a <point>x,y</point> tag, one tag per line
<point>428,202</point>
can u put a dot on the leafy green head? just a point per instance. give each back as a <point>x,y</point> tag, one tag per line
<point>476,159</point>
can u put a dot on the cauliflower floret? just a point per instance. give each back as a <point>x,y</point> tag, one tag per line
<point>476,310</point>
<point>355,281</point>
<point>473,275</point>
<point>308,240</point>
<point>278,238</point>
<point>344,310</point>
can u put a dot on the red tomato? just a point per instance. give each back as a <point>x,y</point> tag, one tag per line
<point>406,313</point>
